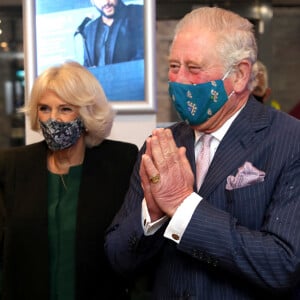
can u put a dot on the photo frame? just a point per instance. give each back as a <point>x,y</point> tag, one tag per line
<point>50,37</point>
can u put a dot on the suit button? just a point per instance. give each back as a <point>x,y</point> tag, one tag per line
<point>215,262</point>
<point>195,253</point>
<point>201,255</point>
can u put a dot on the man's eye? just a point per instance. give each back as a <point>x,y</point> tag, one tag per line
<point>174,67</point>
<point>194,69</point>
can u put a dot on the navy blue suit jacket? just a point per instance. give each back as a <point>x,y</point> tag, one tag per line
<point>24,259</point>
<point>239,244</point>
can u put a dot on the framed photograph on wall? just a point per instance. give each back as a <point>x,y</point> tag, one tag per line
<point>118,50</point>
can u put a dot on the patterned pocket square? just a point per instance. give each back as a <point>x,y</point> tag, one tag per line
<point>246,175</point>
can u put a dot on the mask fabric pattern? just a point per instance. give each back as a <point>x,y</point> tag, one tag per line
<point>196,103</point>
<point>61,135</point>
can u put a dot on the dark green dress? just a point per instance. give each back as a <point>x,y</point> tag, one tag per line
<point>62,212</point>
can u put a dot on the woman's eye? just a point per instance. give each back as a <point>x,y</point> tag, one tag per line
<point>66,109</point>
<point>43,108</point>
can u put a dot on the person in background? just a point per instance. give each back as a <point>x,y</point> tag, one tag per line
<point>213,208</point>
<point>58,195</point>
<point>117,35</point>
<point>261,91</point>
<point>295,111</point>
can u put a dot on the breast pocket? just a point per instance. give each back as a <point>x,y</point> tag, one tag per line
<point>248,204</point>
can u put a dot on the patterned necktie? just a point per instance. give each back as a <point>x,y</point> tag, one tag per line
<point>202,162</point>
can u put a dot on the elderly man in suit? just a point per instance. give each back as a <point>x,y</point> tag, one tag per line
<point>213,210</point>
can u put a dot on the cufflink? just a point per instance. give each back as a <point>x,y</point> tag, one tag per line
<point>175,236</point>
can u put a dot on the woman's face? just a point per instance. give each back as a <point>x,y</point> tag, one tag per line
<point>52,107</point>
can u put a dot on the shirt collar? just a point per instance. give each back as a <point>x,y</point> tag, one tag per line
<point>219,133</point>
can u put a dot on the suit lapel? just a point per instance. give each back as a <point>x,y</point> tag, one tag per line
<point>113,35</point>
<point>185,136</point>
<point>242,138</point>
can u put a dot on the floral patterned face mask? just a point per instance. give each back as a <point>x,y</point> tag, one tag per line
<point>61,135</point>
<point>196,103</point>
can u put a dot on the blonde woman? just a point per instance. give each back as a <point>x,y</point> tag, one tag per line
<point>57,196</point>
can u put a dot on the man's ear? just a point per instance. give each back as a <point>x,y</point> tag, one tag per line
<point>242,76</point>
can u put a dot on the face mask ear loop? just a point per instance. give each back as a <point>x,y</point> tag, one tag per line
<point>231,94</point>
<point>224,77</point>
<point>226,74</point>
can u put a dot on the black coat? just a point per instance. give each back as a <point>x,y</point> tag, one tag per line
<point>23,220</point>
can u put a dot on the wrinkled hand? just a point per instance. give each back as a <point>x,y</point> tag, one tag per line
<point>163,157</point>
<point>154,210</point>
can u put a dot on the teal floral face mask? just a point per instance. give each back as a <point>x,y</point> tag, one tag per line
<point>61,135</point>
<point>196,103</point>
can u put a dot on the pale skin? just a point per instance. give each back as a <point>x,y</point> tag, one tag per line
<point>191,60</point>
<point>52,107</point>
<point>107,9</point>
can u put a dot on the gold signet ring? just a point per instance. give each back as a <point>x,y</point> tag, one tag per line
<point>155,178</point>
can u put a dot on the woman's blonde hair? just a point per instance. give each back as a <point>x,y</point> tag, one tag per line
<point>75,85</point>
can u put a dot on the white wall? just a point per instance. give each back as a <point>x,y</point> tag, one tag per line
<point>133,128</point>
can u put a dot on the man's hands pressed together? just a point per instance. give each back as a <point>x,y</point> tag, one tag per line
<point>164,160</point>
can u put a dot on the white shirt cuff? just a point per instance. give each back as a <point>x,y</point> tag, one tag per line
<point>182,217</point>
<point>148,226</point>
